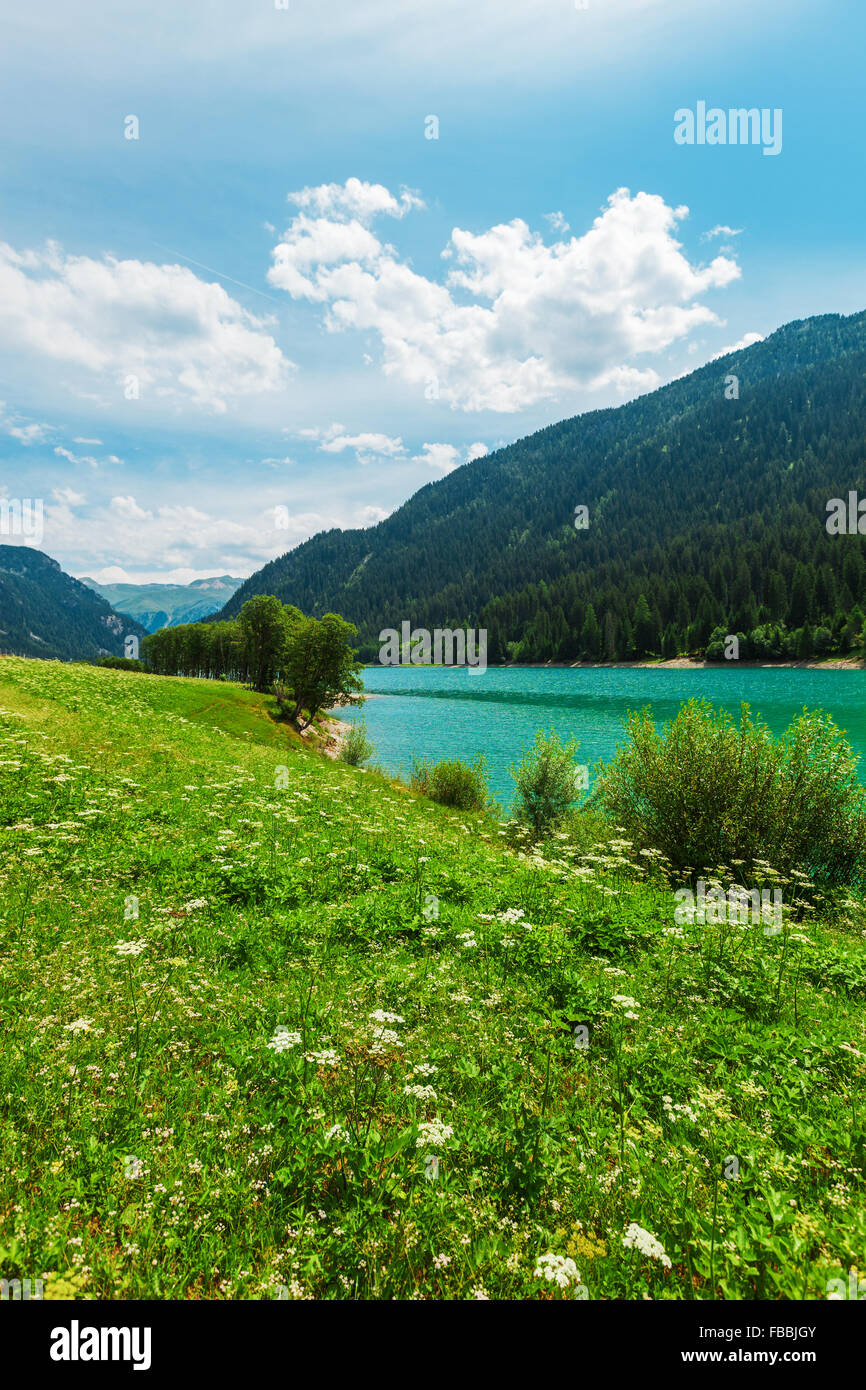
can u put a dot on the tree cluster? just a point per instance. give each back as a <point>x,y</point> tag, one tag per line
<point>310,662</point>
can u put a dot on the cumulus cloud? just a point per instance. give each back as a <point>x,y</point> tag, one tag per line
<point>515,321</point>
<point>128,507</point>
<point>178,542</point>
<point>68,497</point>
<point>746,341</point>
<point>181,337</point>
<point>446,457</point>
<point>356,199</point>
<point>369,445</point>
<point>334,439</point>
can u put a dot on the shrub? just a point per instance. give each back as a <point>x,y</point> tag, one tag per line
<point>707,792</point>
<point>121,663</point>
<point>453,783</point>
<point>356,747</point>
<point>545,782</point>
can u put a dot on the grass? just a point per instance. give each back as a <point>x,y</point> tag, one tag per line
<point>482,1056</point>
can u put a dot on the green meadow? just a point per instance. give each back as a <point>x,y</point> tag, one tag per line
<point>276,1027</point>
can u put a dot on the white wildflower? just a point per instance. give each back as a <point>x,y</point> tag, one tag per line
<point>636,1238</point>
<point>283,1040</point>
<point>558,1268</point>
<point>432,1132</point>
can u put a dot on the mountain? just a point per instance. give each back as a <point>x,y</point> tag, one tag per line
<point>45,612</point>
<point>166,605</point>
<point>707,503</point>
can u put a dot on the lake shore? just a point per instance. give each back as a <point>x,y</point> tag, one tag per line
<point>674,663</point>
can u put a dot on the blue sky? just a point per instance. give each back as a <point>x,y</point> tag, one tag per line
<point>266,259</point>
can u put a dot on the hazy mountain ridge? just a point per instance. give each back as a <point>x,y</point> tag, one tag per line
<point>166,605</point>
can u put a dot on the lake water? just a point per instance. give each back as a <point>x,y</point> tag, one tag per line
<point>436,712</point>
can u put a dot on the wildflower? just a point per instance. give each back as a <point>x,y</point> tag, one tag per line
<point>636,1238</point>
<point>337,1133</point>
<point>133,1167</point>
<point>432,1132</point>
<point>557,1268</point>
<point>130,948</point>
<point>81,1025</point>
<point>441,1261</point>
<point>326,1058</point>
<point>283,1040</point>
<point>420,1092</point>
<point>382,1016</point>
<point>480,1293</point>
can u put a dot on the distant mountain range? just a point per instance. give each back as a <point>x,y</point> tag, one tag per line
<point>167,605</point>
<point>705,508</point>
<point>45,612</point>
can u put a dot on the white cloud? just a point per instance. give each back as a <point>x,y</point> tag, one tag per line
<point>79,440</point>
<point>176,542</point>
<point>128,508</point>
<point>181,337</point>
<point>334,439</point>
<point>446,457</point>
<point>371,516</point>
<point>356,199</point>
<point>443,456</point>
<point>721,230</point>
<point>557,221</point>
<point>13,425</point>
<point>82,458</point>
<point>68,497</point>
<point>516,321</point>
<point>746,341</point>
<point>29,434</point>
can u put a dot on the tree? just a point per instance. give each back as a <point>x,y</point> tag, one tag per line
<point>320,666</point>
<point>265,626</point>
<point>645,631</point>
<point>589,637</point>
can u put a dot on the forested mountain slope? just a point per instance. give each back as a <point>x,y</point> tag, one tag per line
<point>707,504</point>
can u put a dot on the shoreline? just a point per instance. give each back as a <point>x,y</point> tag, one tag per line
<point>674,663</point>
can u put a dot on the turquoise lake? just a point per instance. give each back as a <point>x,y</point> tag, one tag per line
<point>437,712</point>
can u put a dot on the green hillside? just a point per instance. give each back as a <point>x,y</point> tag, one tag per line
<point>275,1027</point>
<point>45,612</point>
<point>705,512</point>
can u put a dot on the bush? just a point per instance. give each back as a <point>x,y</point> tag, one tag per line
<point>545,782</point>
<point>453,783</point>
<point>121,663</point>
<point>356,747</point>
<point>707,793</point>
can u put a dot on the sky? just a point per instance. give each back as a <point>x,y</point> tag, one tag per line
<point>267,269</point>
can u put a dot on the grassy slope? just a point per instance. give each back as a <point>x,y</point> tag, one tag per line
<point>303,898</point>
